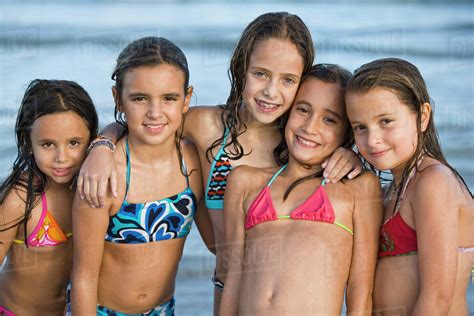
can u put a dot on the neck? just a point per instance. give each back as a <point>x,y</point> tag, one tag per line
<point>298,170</point>
<point>151,154</point>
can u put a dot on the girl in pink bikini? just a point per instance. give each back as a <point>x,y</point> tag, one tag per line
<point>427,239</point>
<point>55,124</point>
<point>296,241</point>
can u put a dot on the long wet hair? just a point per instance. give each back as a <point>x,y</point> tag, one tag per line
<point>147,52</point>
<point>42,97</point>
<point>405,81</point>
<point>278,25</point>
<point>328,73</point>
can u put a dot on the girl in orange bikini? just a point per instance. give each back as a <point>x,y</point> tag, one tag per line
<point>427,239</point>
<point>55,124</point>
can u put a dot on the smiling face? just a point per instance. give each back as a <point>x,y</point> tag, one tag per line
<point>59,142</point>
<point>384,128</point>
<point>272,79</point>
<point>153,100</point>
<point>317,124</point>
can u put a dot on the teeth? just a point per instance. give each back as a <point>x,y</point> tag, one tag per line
<point>306,142</point>
<point>267,106</point>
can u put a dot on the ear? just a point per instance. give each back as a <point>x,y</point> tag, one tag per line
<point>115,95</point>
<point>187,99</point>
<point>425,115</point>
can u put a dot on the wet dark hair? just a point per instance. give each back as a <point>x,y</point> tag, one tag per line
<point>147,52</point>
<point>405,81</point>
<point>328,73</point>
<point>279,25</point>
<point>42,97</point>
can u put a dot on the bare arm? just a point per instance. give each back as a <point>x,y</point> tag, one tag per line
<point>436,220</point>
<point>97,169</point>
<point>341,163</point>
<point>234,223</point>
<point>11,213</point>
<point>367,217</point>
<point>204,225</point>
<point>89,226</point>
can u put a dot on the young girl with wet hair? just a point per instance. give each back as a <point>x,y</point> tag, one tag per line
<point>54,126</point>
<point>266,68</point>
<point>293,249</point>
<point>426,240</point>
<point>126,254</point>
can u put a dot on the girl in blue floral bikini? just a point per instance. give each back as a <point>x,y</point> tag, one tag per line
<point>132,270</point>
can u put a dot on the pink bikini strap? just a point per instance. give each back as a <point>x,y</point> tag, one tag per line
<point>41,220</point>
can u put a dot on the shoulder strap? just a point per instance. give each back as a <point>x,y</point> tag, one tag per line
<point>127,157</point>
<point>276,175</point>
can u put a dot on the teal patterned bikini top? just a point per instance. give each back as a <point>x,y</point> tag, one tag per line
<point>164,219</point>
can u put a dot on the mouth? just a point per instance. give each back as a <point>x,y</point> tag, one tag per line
<point>266,107</point>
<point>154,128</point>
<point>306,142</point>
<point>379,154</point>
<point>61,172</point>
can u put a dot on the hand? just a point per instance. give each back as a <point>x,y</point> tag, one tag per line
<point>340,164</point>
<point>94,176</point>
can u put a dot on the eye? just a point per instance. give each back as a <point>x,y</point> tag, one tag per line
<point>330,120</point>
<point>74,143</point>
<point>47,145</point>
<point>170,98</point>
<point>386,121</point>
<point>302,109</point>
<point>358,128</point>
<point>289,81</point>
<point>139,99</point>
<point>259,74</point>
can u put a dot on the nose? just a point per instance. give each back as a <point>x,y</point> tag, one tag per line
<point>61,155</point>
<point>271,89</point>
<point>155,109</point>
<point>311,126</point>
<point>373,138</point>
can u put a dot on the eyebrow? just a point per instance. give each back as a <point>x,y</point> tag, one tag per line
<point>336,114</point>
<point>378,116</point>
<point>140,94</point>
<point>267,70</point>
<point>46,140</point>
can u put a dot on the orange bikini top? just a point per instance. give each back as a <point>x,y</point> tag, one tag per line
<point>47,232</point>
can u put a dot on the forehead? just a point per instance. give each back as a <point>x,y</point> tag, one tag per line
<point>321,94</point>
<point>160,77</point>
<point>373,102</point>
<point>59,126</point>
<point>278,55</point>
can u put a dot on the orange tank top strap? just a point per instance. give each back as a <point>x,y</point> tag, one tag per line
<point>47,232</point>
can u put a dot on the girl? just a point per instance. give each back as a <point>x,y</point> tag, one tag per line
<point>55,124</point>
<point>426,240</point>
<point>133,269</point>
<point>266,68</point>
<point>301,266</point>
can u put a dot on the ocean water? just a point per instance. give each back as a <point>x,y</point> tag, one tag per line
<point>79,40</point>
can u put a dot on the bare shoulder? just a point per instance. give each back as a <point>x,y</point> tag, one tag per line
<point>202,121</point>
<point>13,207</point>
<point>366,182</point>
<point>250,175</point>
<point>435,176</point>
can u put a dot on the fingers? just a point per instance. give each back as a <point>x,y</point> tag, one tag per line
<point>86,192</point>
<point>113,183</point>
<point>101,191</point>
<point>343,162</point>
<point>79,184</point>
<point>93,192</point>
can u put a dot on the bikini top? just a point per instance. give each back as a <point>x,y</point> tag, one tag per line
<point>316,207</point>
<point>217,179</point>
<point>47,232</point>
<point>164,219</point>
<point>396,237</point>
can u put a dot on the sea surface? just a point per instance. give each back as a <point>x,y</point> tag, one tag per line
<point>80,40</point>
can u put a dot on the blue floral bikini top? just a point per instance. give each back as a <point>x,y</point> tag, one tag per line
<point>163,219</point>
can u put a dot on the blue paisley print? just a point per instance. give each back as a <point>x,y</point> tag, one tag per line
<point>153,221</point>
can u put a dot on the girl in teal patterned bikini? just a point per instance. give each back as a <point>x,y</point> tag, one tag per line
<point>127,254</point>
